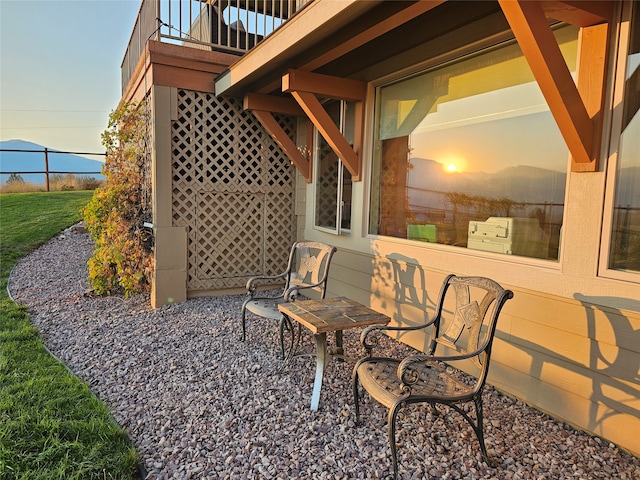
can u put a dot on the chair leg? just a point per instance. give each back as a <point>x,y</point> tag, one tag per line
<point>477,401</point>
<point>356,400</point>
<point>285,323</point>
<point>281,327</point>
<point>244,319</point>
<point>391,425</point>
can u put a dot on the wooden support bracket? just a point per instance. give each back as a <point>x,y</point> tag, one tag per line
<point>331,133</point>
<point>285,142</point>
<point>271,103</point>
<point>530,26</point>
<point>324,85</point>
<point>307,87</point>
<point>263,107</point>
<point>591,85</point>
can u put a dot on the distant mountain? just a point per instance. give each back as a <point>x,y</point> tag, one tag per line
<point>428,181</point>
<point>520,183</point>
<point>34,162</point>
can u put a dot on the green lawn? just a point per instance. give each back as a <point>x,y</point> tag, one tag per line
<point>51,425</point>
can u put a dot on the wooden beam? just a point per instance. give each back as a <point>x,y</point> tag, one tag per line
<point>530,27</point>
<point>285,142</point>
<point>579,13</point>
<point>592,66</point>
<point>328,129</point>
<point>271,103</point>
<point>324,85</point>
<point>601,9</point>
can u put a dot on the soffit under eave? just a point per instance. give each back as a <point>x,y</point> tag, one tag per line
<point>266,62</point>
<point>299,42</point>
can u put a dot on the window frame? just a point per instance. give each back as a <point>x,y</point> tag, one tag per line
<point>458,55</point>
<point>613,133</point>
<point>317,141</point>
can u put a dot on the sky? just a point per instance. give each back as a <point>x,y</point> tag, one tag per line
<point>60,69</point>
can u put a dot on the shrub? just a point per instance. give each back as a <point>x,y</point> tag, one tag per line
<point>14,178</point>
<point>89,183</point>
<point>57,182</point>
<point>63,183</point>
<point>122,260</point>
<point>20,187</point>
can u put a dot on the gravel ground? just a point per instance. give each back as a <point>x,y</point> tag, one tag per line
<point>199,403</point>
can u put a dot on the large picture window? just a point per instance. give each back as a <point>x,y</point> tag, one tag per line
<point>468,154</point>
<point>625,235</point>
<point>332,179</point>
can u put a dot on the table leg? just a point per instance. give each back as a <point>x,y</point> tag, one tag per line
<point>339,348</point>
<point>321,355</point>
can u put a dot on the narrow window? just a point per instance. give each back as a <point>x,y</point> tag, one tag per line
<point>625,234</point>
<point>468,154</point>
<point>332,179</point>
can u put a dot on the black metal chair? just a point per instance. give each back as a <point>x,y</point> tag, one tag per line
<point>462,331</point>
<point>307,270</point>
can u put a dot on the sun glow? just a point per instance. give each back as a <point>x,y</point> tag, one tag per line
<point>454,163</point>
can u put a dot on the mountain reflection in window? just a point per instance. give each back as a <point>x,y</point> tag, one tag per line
<point>469,155</point>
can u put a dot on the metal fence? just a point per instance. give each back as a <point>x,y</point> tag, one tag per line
<point>232,26</point>
<point>48,172</point>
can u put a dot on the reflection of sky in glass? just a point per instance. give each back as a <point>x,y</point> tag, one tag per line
<point>633,62</point>
<point>628,181</point>
<point>507,127</point>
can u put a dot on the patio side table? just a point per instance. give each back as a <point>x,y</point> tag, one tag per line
<point>329,315</point>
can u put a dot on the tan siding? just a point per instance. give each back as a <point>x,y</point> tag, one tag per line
<point>300,207</point>
<point>574,317</point>
<point>300,196</point>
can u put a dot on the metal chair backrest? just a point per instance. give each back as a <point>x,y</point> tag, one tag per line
<point>309,265</point>
<point>466,317</point>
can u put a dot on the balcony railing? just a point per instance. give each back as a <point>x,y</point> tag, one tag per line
<point>233,26</point>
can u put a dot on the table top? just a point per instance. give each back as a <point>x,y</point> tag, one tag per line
<point>331,314</point>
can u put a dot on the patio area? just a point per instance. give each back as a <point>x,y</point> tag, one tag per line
<point>199,403</point>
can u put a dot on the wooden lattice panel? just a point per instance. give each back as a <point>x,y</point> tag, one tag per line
<point>225,221</point>
<point>233,188</point>
<point>279,231</point>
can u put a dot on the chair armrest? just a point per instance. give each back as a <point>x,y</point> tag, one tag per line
<point>409,375</point>
<point>290,294</point>
<point>369,336</point>
<point>253,282</point>
<point>293,291</point>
